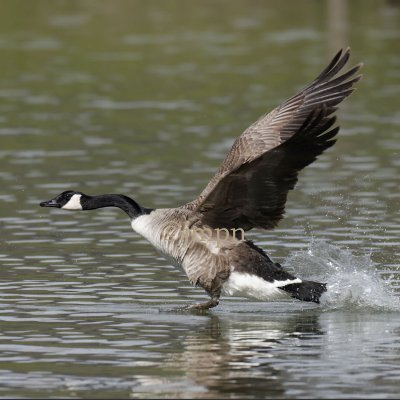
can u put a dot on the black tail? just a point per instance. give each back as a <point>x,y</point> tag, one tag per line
<point>306,290</point>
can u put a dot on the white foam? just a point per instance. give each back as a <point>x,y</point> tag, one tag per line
<point>353,282</point>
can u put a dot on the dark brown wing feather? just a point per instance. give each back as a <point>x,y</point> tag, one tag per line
<point>251,186</point>
<point>255,194</point>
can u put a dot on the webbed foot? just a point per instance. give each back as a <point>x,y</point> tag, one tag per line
<point>213,302</point>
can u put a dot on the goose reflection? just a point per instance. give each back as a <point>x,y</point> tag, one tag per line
<point>236,354</point>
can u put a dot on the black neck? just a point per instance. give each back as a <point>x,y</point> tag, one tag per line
<point>125,203</point>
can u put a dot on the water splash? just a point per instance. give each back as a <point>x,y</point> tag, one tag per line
<point>353,282</point>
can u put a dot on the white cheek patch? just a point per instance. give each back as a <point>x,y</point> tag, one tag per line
<point>74,203</point>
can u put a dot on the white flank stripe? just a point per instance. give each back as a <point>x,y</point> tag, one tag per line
<point>74,203</point>
<point>253,286</point>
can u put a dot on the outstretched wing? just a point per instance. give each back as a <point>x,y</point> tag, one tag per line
<point>251,186</point>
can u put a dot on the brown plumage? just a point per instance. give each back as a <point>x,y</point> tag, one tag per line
<point>250,188</point>
<point>248,191</point>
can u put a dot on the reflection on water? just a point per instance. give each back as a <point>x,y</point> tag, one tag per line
<point>239,351</point>
<point>249,355</point>
<point>145,98</point>
<point>237,355</point>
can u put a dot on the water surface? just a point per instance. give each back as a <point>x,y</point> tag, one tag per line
<point>145,98</point>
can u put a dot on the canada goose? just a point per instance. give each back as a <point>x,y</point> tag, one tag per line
<point>249,190</point>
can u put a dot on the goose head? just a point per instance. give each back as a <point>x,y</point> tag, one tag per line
<point>68,200</point>
<point>72,200</point>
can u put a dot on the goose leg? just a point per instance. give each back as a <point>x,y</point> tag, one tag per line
<point>213,302</point>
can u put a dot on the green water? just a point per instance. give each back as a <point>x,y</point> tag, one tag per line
<point>145,98</point>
